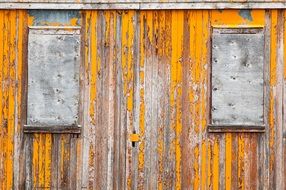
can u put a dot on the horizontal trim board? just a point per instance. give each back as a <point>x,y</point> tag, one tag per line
<point>144,5</point>
<point>52,129</point>
<point>236,128</point>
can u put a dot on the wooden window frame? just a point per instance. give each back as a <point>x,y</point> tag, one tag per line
<point>57,129</point>
<point>220,128</point>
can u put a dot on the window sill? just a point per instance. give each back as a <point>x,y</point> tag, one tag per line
<point>236,128</point>
<point>67,129</point>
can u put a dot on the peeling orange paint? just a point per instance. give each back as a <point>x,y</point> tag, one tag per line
<point>154,28</point>
<point>232,18</point>
<point>228,155</point>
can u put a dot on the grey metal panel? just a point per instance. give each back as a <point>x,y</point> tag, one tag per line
<point>53,76</point>
<point>237,77</point>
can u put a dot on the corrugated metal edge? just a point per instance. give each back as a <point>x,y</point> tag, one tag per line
<point>146,5</point>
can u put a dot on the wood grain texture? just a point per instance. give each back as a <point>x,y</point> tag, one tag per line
<point>142,4</point>
<point>145,73</point>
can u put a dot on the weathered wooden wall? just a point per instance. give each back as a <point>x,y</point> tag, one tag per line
<point>141,4</point>
<point>145,72</point>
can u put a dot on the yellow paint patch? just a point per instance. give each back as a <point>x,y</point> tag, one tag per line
<point>241,181</point>
<point>134,137</point>
<point>176,85</point>
<point>31,20</point>
<point>228,155</point>
<point>232,18</point>
<point>74,21</point>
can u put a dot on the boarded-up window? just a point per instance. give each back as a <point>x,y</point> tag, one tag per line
<point>237,81</point>
<point>53,76</point>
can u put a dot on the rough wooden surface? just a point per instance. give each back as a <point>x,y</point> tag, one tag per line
<point>145,73</point>
<point>141,4</point>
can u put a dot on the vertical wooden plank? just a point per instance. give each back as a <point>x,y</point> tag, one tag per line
<point>160,47</point>
<point>228,155</point>
<point>173,86</point>
<point>177,40</point>
<point>197,100</point>
<point>35,162</point>
<point>11,101</point>
<point>128,77</point>
<point>120,102</point>
<point>26,164</point>
<point>193,137</point>
<point>141,144</point>
<point>47,154</point>
<point>105,92</point>
<point>110,97</point>
<point>41,161</point>
<point>84,159</point>
<point>279,102</point>
<point>73,162</point>
<point>117,107</point>
<point>106,86</point>
<point>250,162</point>
<point>263,140</point>
<point>148,98</point>
<point>65,160</point>
<point>29,183</point>
<point>273,85</point>
<point>284,99</point>
<point>169,133</point>
<point>241,162</point>
<point>100,181</point>
<point>93,100</point>
<point>234,161</point>
<point>153,61</point>
<point>55,160</point>
<point>205,44</point>
<point>18,137</point>
<point>136,99</point>
<point>216,167</point>
<point>247,161</point>
<point>5,99</point>
<point>2,20</point>
<point>186,120</point>
<point>59,166</point>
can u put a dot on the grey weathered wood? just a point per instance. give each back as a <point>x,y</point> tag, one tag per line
<point>52,129</point>
<point>236,128</point>
<point>83,170</point>
<point>120,110</point>
<point>263,145</point>
<point>237,78</point>
<point>279,103</point>
<point>141,5</point>
<point>136,106</point>
<point>53,62</point>
<point>28,146</point>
